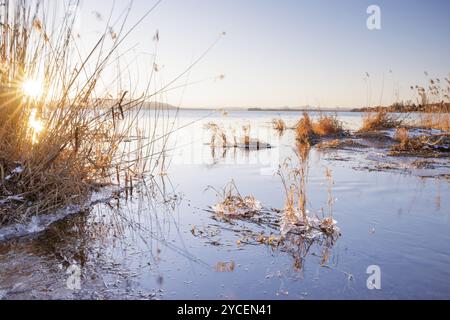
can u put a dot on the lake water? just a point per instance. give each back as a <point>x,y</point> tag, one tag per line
<point>164,243</point>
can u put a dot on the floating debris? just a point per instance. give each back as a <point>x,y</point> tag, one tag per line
<point>225,266</point>
<point>292,230</point>
<point>232,204</point>
<point>238,206</point>
<point>312,228</point>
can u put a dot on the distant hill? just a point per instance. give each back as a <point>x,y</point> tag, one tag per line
<point>159,105</point>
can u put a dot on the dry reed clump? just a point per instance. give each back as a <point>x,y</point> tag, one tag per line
<point>381,120</point>
<point>437,121</point>
<point>279,125</point>
<point>246,140</point>
<point>58,140</point>
<point>292,230</point>
<point>402,136</point>
<point>304,130</point>
<point>308,131</point>
<point>296,218</point>
<point>328,126</point>
<point>233,205</point>
<point>221,138</point>
<point>294,180</point>
<point>218,135</point>
<point>428,146</point>
<point>435,102</point>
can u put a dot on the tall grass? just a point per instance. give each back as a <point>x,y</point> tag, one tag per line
<point>438,121</point>
<point>381,120</point>
<point>436,101</point>
<point>304,129</point>
<point>296,217</point>
<point>65,141</point>
<point>309,131</point>
<point>279,125</point>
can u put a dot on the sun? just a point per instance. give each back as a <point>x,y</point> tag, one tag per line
<point>32,88</point>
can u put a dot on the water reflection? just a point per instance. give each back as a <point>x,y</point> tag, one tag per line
<point>160,243</point>
<point>294,230</point>
<point>108,244</point>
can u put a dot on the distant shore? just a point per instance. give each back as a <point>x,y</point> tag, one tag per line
<point>265,109</point>
<point>409,108</point>
<point>396,108</point>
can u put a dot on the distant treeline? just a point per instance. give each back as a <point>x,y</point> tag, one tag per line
<point>443,107</point>
<point>145,105</point>
<point>301,109</point>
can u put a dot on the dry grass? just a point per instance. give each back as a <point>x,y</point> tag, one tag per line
<point>294,180</point>
<point>410,146</point>
<point>59,145</point>
<point>438,121</point>
<point>333,144</point>
<point>304,130</point>
<point>295,217</point>
<point>428,146</point>
<point>233,205</point>
<point>222,139</point>
<point>402,136</point>
<point>218,135</point>
<point>308,131</point>
<point>381,120</point>
<point>279,125</point>
<point>328,126</point>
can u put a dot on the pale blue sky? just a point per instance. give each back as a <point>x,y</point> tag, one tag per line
<point>288,53</point>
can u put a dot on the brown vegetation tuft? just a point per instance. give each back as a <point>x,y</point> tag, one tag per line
<point>379,121</point>
<point>328,126</point>
<point>61,141</point>
<point>279,125</point>
<point>310,132</point>
<point>438,121</point>
<point>402,136</point>
<point>427,146</point>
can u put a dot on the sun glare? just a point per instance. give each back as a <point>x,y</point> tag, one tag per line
<point>35,125</point>
<point>32,89</point>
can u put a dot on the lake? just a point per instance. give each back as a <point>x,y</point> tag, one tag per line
<point>165,243</point>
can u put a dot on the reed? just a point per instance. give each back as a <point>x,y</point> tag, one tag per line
<point>432,146</point>
<point>59,139</point>
<point>381,120</point>
<point>279,125</point>
<point>328,125</point>
<point>309,131</point>
<point>304,130</point>
<point>296,218</point>
<point>402,136</point>
<point>438,121</point>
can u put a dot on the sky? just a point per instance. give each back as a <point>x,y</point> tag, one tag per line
<point>282,53</point>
